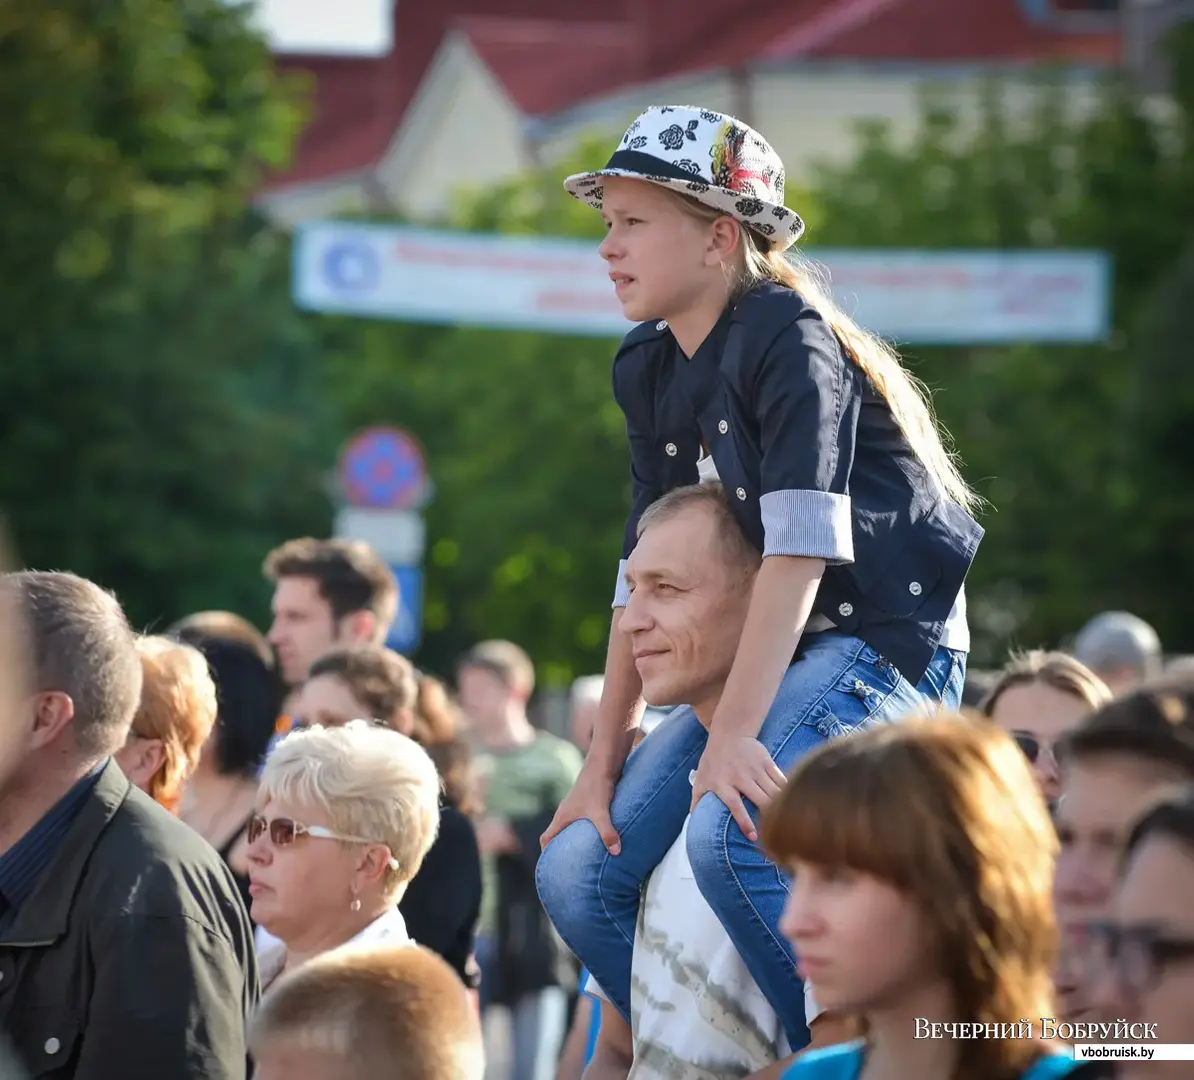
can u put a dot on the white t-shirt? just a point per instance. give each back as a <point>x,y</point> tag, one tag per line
<point>696,1012</point>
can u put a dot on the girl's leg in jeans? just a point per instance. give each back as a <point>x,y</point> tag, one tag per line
<point>838,684</point>
<point>592,897</point>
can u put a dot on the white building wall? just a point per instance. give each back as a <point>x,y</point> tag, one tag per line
<point>461,133</point>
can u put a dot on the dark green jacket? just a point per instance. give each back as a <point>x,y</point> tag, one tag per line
<point>133,958</point>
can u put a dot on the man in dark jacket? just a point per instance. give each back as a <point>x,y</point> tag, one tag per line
<point>125,950</point>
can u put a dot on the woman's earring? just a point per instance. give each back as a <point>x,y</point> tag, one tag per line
<point>355,905</point>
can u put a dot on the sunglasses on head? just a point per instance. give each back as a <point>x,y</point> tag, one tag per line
<point>284,831</point>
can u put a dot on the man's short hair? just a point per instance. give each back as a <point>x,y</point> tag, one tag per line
<point>81,645</point>
<point>506,660</point>
<point>710,496</point>
<point>397,1011</point>
<point>1155,722</point>
<point>1119,641</point>
<point>351,576</point>
<point>1057,670</point>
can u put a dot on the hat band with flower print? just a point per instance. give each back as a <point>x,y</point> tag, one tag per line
<point>707,156</point>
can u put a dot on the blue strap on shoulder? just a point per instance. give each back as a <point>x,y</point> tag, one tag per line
<point>841,1062</point>
<point>1051,1067</point>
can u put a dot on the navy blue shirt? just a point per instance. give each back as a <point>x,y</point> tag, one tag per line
<point>23,864</point>
<point>812,460</point>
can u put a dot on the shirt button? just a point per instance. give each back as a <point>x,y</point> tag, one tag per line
<point>722,426</point>
<point>52,1045</point>
<point>661,325</point>
<point>915,588</point>
<point>670,449</point>
<point>741,493</point>
<point>846,610</point>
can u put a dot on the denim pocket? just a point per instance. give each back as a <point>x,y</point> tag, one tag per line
<point>859,698</point>
<point>871,678</point>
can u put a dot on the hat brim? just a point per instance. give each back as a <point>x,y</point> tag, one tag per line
<point>782,227</point>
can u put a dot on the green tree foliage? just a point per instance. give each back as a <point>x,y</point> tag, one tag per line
<point>1064,441</point>
<point>159,420</point>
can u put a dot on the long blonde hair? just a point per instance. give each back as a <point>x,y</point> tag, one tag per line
<point>906,396</point>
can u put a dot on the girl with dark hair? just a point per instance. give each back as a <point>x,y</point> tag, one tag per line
<point>220,796</point>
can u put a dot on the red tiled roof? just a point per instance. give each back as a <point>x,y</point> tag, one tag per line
<point>549,59</point>
<point>352,117</point>
<point>535,58</point>
<point>945,30</point>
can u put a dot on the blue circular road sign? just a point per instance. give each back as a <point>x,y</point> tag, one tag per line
<point>383,468</point>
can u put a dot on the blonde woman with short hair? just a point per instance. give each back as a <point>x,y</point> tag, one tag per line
<point>344,818</point>
<point>175,717</point>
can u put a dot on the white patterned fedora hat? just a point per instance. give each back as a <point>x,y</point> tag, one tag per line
<point>710,157</point>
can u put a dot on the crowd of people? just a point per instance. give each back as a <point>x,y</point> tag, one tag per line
<point>834,854</point>
<point>211,864</point>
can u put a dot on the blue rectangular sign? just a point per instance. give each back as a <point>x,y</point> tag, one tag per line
<point>407,631</point>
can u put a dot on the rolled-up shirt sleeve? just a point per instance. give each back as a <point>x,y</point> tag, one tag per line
<point>807,404</point>
<point>645,483</point>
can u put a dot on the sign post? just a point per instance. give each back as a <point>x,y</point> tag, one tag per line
<point>384,484</point>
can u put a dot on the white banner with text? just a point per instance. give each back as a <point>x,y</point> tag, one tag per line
<point>562,286</point>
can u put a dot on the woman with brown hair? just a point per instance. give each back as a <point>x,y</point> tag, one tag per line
<point>1037,698</point>
<point>172,722</point>
<point>443,902</point>
<point>922,857</point>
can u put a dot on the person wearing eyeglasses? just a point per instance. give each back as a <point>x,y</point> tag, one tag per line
<point>1140,962</point>
<point>443,903</point>
<point>1115,765</point>
<point>344,818</point>
<point>1037,698</point>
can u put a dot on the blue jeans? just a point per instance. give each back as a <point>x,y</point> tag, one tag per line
<point>838,684</point>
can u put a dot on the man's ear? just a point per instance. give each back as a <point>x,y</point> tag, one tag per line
<point>52,711</point>
<point>360,628</point>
